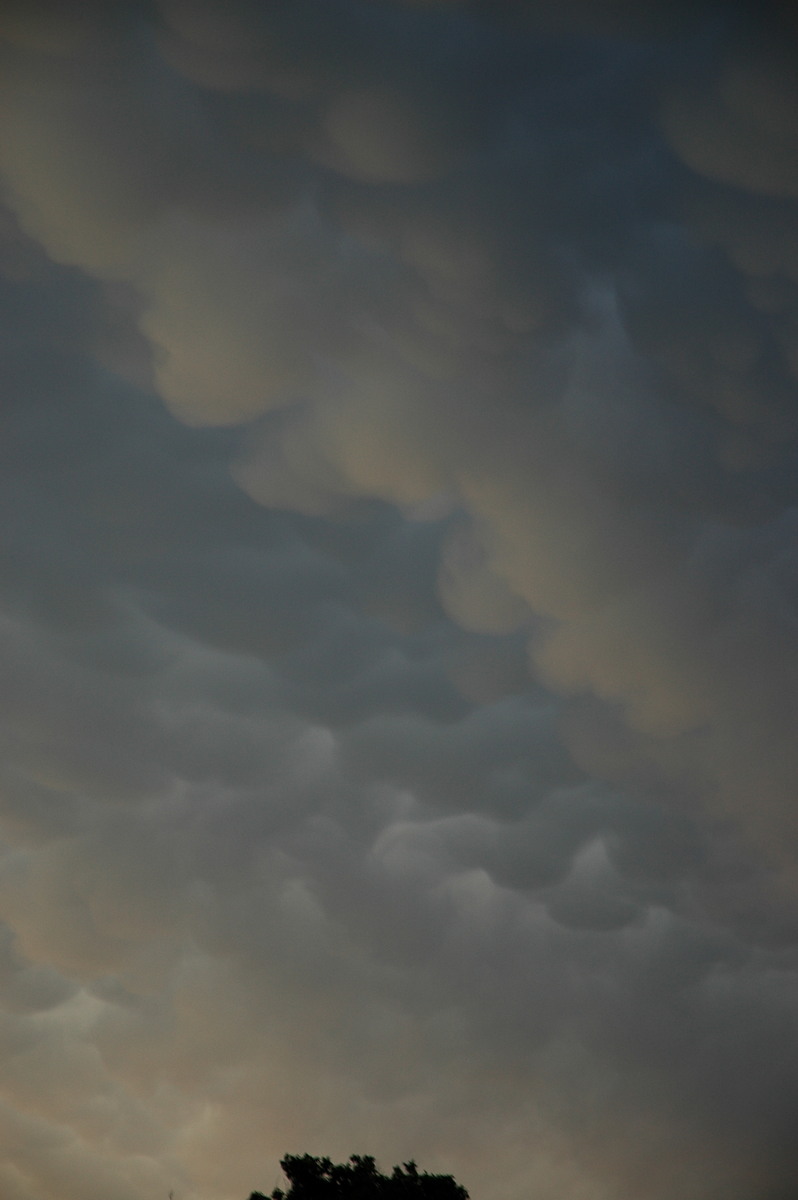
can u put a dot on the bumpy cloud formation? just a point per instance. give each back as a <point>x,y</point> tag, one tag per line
<point>398,617</point>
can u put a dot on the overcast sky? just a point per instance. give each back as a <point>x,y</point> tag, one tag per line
<point>399,599</point>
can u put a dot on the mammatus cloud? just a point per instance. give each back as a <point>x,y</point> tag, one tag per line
<point>398,607</point>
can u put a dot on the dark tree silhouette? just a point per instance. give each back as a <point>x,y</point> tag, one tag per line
<point>358,1179</point>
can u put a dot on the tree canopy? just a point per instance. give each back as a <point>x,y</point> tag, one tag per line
<point>358,1179</point>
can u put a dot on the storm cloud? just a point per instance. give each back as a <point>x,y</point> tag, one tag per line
<point>398,616</point>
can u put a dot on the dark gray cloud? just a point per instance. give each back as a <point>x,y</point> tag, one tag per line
<point>397,615</point>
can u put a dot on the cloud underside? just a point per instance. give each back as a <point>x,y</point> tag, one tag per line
<point>398,618</point>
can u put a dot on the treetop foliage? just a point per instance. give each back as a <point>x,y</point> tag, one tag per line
<point>358,1179</point>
